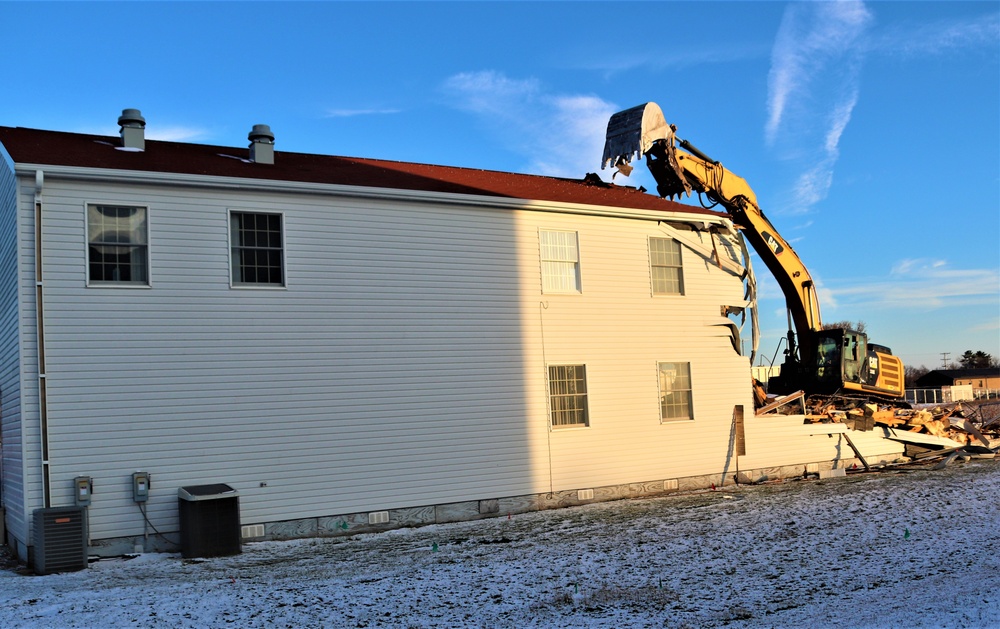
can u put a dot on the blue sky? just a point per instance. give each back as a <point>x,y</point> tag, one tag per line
<point>869,131</point>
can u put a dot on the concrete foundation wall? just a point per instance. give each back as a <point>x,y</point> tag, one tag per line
<point>341,525</point>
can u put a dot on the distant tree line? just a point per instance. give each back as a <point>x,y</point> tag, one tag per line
<point>858,326</point>
<point>968,360</point>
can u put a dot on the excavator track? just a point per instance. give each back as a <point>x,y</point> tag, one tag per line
<point>844,401</point>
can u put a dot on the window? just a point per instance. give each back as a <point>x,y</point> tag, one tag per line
<point>675,391</point>
<point>118,245</point>
<point>258,255</point>
<point>665,266</point>
<point>568,395</point>
<point>560,262</point>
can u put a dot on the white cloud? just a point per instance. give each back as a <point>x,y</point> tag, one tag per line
<point>924,284</point>
<point>672,58</point>
<point>940,37</point>
<point>827,298</point>
<point>917,284</point>
<point>987,326</point>
<point>154,132</point>
<point>813,85</point>
<point>812,185</point>
<point>839,118</point>
<point>786,74</point>
<point>559,135</point>
<point>490,92</point>
<point>912,266</point>
<point>176,134</point>
<point>814,80</point>
<point>350,113</point>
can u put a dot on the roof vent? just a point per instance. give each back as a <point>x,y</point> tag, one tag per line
<point>261,144</point>
<point>133,129</point>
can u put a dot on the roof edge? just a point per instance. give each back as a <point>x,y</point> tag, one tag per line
<point>698,215</point>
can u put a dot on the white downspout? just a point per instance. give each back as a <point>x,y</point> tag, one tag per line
<point>43,417</point>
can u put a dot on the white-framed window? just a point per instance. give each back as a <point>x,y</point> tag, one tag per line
<point>675,391</point>
<point>560,257</point>
<point>665,266</point>
<point>258,248</point>
<point>568,396</point>
<point>117,245</point>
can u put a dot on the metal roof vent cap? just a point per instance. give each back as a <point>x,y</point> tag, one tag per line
<point>261,144</point>
<point>133,129</point>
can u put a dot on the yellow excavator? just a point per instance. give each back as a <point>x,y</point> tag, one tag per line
<point>817,361</point>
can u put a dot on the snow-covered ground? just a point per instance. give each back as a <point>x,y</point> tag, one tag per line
<point>898,548</point>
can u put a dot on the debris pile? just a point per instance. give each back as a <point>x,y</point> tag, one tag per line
<point>969,428</point>
<point>963,422</point>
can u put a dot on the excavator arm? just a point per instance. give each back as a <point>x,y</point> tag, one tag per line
<point>679,168</point>
<point>817,360</point>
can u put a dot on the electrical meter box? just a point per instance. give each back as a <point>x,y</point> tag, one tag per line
<point>83,489</point>
<point>140,486</point>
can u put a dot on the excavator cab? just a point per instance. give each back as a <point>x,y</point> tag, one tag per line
<point>841,357</point>
<point>844,360</point>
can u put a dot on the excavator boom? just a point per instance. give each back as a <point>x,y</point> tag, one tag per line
<point>679,169</point>
<point>643,131</point>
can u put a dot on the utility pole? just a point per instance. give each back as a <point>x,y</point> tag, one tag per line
<point>944,360</point>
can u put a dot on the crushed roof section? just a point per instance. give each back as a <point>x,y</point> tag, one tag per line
<point>57,148</point>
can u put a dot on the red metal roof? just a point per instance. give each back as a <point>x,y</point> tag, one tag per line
<point>33,146</point>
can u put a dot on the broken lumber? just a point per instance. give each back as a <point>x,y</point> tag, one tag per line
<point>788,399</point>
<point>975,432</point>
<point>857,452</point>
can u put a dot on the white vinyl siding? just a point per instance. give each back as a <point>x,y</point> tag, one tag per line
<point>406,367</point>
<point>407,364</point>
<point>13,466</point>
<point>560,256</point>
<point>401,369</point>
<point>666,267</point>
<point>362,387</point>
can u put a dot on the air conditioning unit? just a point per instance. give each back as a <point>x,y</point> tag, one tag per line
<point>60,538</point>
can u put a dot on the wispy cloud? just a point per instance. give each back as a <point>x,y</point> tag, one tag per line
<point>939,37</point>
<point>351,113</point>
<point>812,41</point>
<point>922,284</point>
<point>154,132</point>
<point>177,134</point>
<point>814,80</point>
<point>676,58</point>
<point>490,92</point>
<point>560,135</point>
<point>987,326</point>
<point>813,87</point>
<point>918,284</point>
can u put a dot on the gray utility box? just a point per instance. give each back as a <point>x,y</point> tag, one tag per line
<point>60,538</point>
<point>210,520</point>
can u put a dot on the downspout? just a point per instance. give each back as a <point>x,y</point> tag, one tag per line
<point>43,416</point>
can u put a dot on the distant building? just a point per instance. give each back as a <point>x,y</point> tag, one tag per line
<point>358,344</point>
<point>988,378</point>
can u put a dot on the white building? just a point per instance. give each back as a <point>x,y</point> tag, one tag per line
<point>348,341</point>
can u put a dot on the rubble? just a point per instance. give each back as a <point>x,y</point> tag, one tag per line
<point>958,431</point>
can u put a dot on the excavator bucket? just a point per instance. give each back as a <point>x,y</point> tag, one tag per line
<point>642,130</point>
